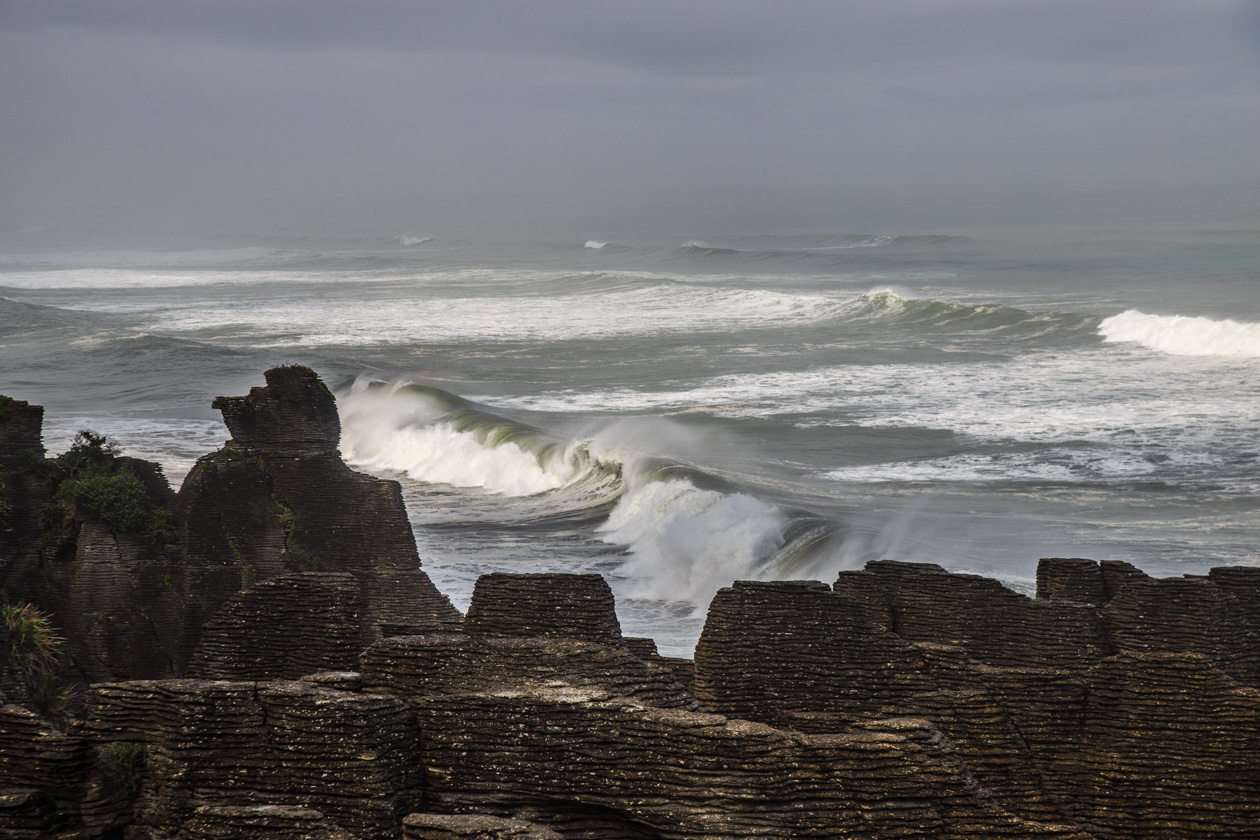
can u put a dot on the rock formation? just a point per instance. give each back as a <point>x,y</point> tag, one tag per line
<point>278,499</point>
<point>315,686</point>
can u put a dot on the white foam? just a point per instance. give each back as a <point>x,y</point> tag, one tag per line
<point>595,246</point>
<point>387,431</point>
<point>652,310</point>
<point>408,241</point>
<point>686,543</point>
<point>1183,335</point>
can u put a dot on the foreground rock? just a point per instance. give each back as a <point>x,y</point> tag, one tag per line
<point>328,692</point>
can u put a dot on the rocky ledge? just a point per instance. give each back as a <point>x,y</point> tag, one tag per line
<point>270,661</point>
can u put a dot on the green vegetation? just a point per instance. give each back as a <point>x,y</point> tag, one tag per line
<point>113,495</point>
<point>37,650</point>
<point>6,407</point>
<point>125,759</point>
<point>93,484</point>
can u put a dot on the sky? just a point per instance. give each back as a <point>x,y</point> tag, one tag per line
<point>182,109</point>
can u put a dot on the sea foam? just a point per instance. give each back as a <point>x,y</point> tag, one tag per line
<point>1182,335</point>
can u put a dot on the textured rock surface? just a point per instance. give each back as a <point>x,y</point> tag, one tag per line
<point>114,594</point>
<point>241,744</point>
<point>1155,741</point>
<point>472,827</point>
<point>559,605</point>
<point>279,499</point>
<point>1186,614</point>
<point>924,603</point>
<point>267,822</point>
<point>418,666</point>
<point>283,628</point>
<point>608,767</point>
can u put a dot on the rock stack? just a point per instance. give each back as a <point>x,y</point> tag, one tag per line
<point>278,499</point>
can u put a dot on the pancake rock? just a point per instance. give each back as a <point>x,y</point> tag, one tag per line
<point>279,499</point>
<point>472,827</point>
<point>350,757</point>
<point>283,628</point>
<point>91,539</point>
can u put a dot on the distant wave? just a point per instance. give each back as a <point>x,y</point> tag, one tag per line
<point>901,305</point>
<point>759,248</point>
<point>1182,335</point>
<point>408,241</point>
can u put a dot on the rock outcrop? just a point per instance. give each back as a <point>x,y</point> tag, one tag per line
<point>350,757</point>
<point>278,499</point>
<point>91,539</point>
<point>283,628</point>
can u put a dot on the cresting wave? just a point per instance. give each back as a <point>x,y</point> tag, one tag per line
<point>686,533</point>
<point>1182,335</point>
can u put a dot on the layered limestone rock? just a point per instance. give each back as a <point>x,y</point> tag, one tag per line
<point>923,603</point>
<point>550,605</point>
<point>472,827</point>
<point>443,663</point>
<point>265,822</point>
<point>91,538</point>
<point>1186,614</point>
<point>279,499</point>
<point>350,757</point>
<point>1155,741</point>
<point>283,628</point>
<point>525,629</point>
<point>595,766</point>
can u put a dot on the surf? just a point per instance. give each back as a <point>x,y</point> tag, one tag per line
<point>1183,335</point>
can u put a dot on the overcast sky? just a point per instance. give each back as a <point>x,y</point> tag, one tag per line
<point>187,104</point>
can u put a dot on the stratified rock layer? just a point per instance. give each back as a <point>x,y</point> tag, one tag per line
<point>279,499</point>
<point>350,757</point>
<point>559,605</point>
<point>472,827</point>
<point>283,628</point>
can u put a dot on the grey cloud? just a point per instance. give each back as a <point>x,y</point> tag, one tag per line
<point>278,100</point>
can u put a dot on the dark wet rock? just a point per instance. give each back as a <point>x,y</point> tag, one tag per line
<point>772,648</point>
<point>278,499</point>
<point>1071,579</point>
<point>1117,574</point>
<point>294,413</point>
<point>266,822</point>
<point>684,669</point>
<point>421,666</point>
<point>350,757</point>
<point>472,827</point>
<point>1243,582</point>
<point>554,605</point>
<point>109,572</point>
<point>583,758</point>
<point>995,625</point>
<point>1190,614</point>
<point>283,628</point>
<point>337,680</point>
<point>57,784</point>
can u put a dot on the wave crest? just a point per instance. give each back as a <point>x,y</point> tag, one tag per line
<point>1183,335</point>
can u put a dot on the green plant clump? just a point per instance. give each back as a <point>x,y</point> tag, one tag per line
<point>114,496</point>
<point>37,650</point>
<point>6,407</point>
<point>125,759</point>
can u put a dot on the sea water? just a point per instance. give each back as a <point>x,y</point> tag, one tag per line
<point>678,412</point>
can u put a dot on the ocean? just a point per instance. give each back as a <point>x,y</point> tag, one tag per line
<point>678,411</point>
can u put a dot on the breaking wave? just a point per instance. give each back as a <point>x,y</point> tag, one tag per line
<point>408,241</point>
<point>685,532</point>
<point>1182,335</point>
